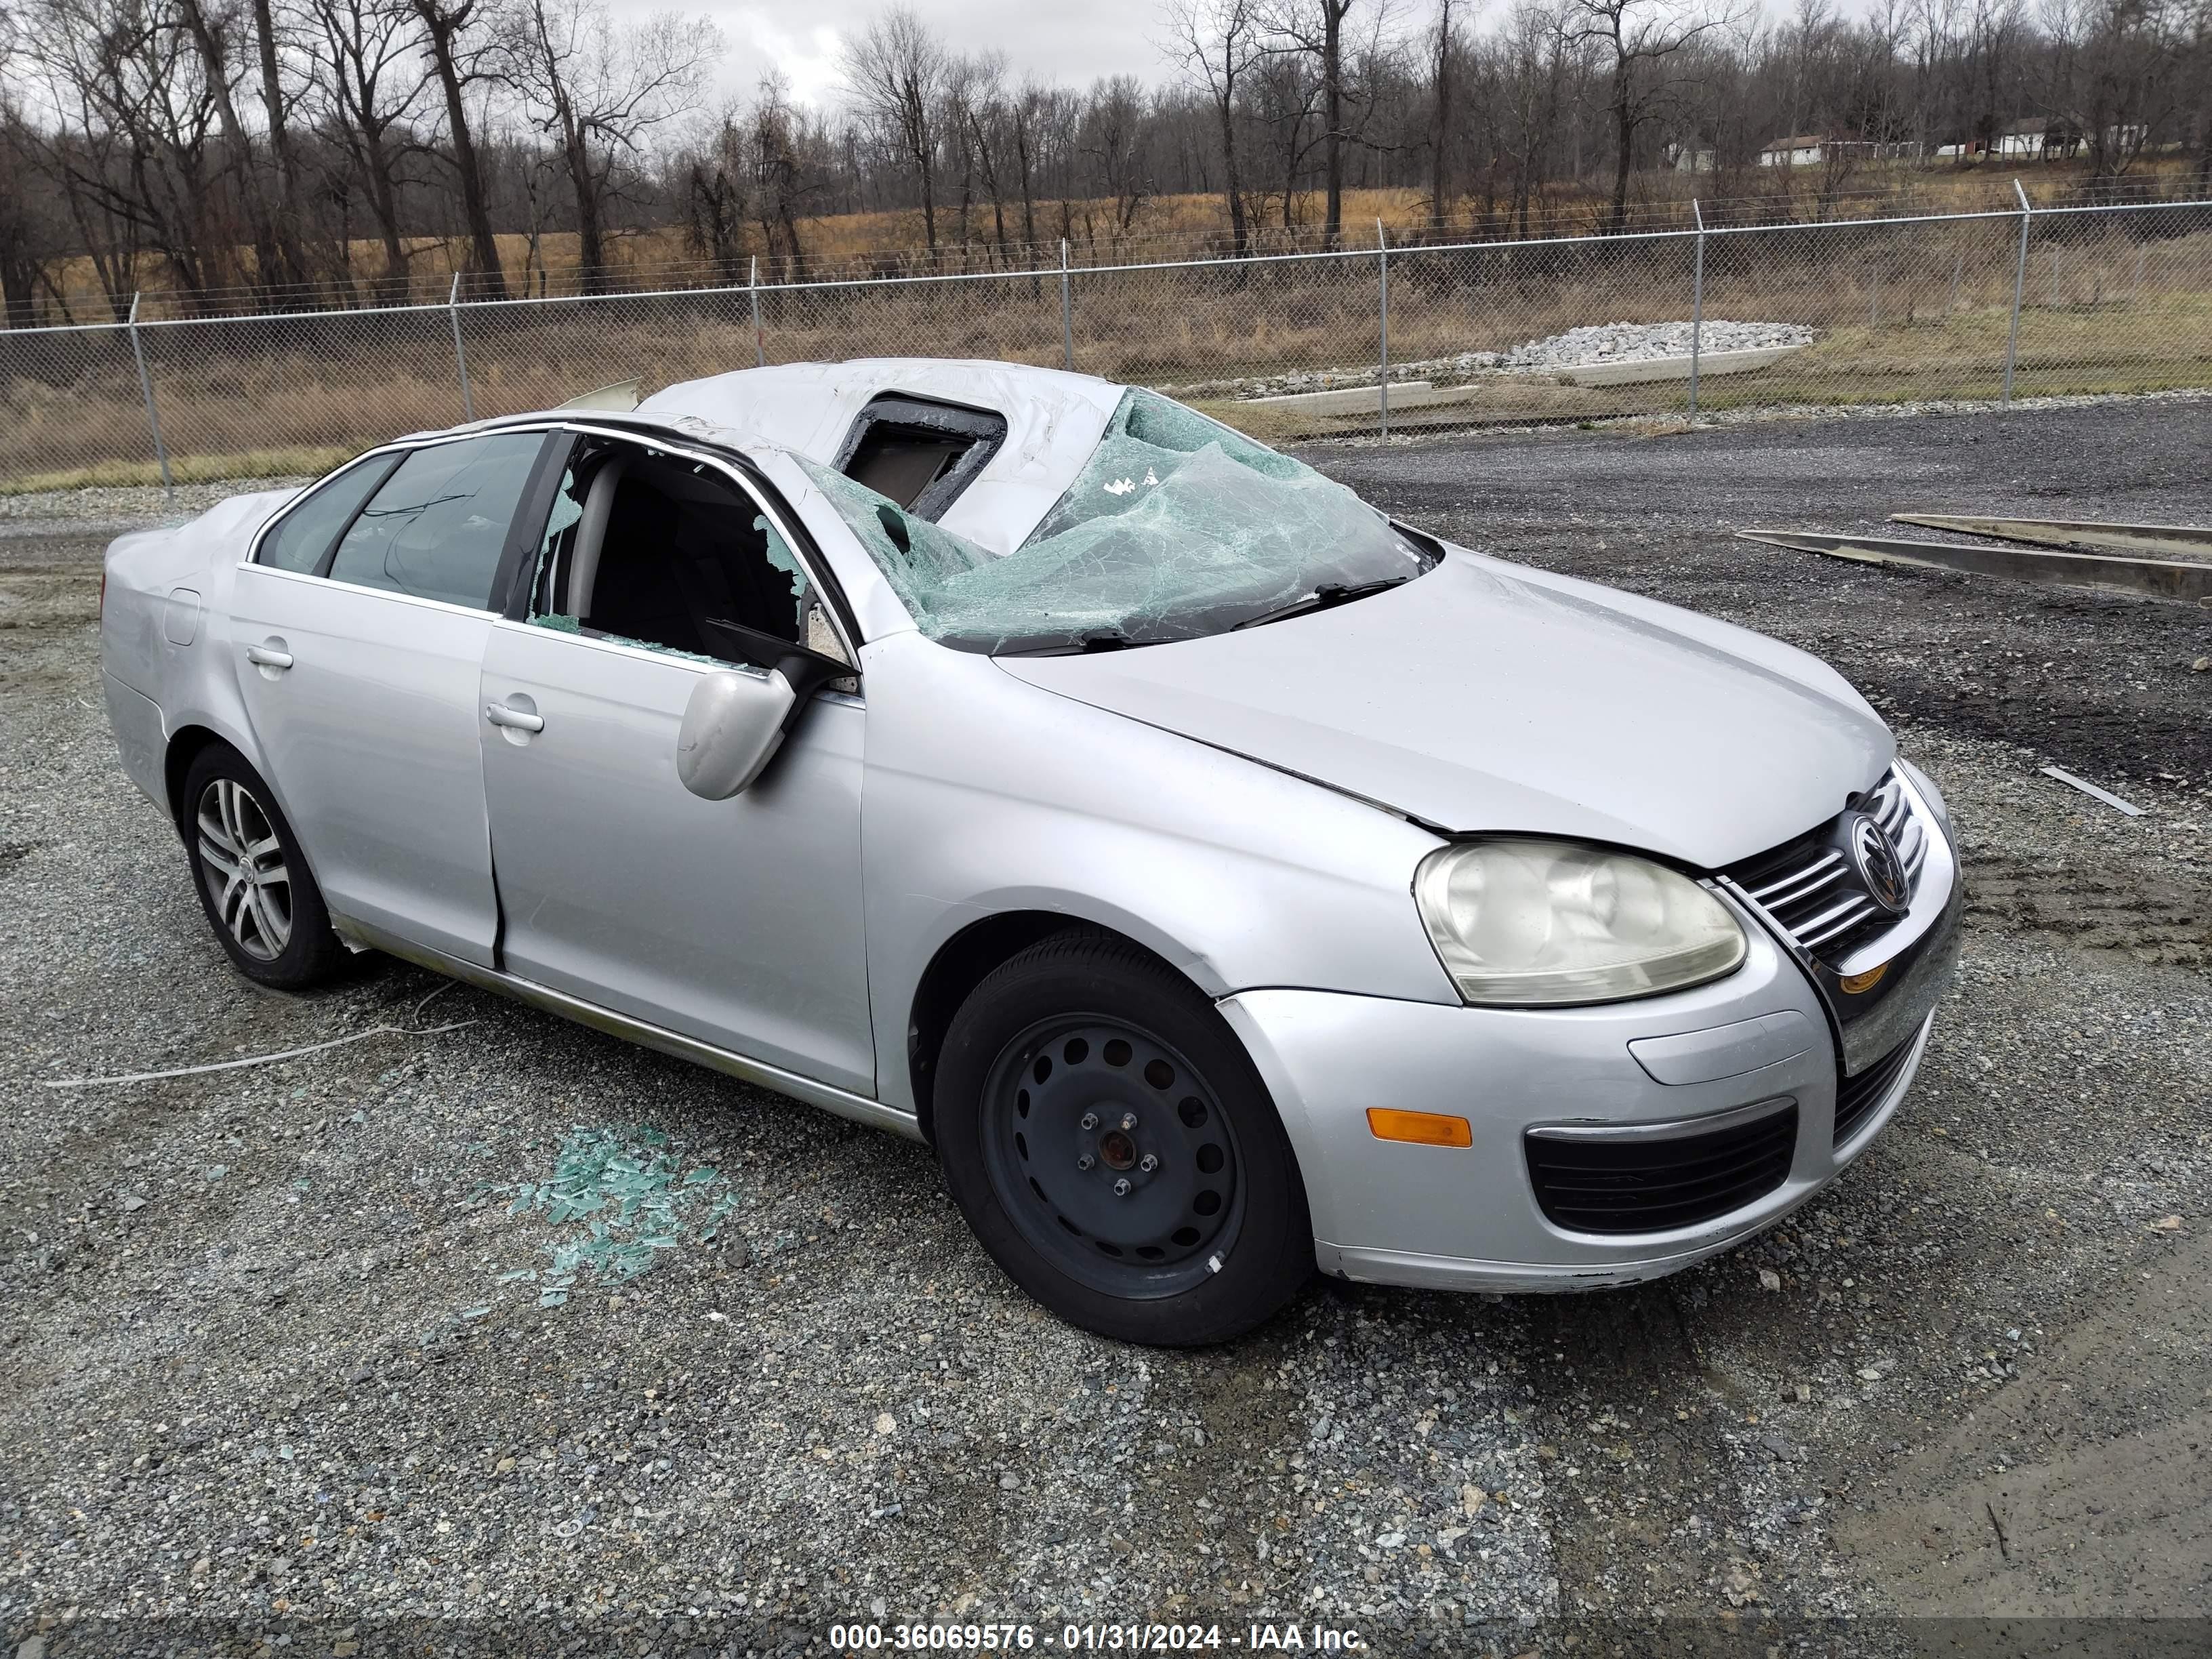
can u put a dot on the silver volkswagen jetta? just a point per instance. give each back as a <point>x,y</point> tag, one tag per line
<point>1223,878</point>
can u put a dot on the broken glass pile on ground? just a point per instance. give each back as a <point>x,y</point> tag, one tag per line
<point>629,1203</point>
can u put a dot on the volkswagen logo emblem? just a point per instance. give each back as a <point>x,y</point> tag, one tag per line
<point>1881,871</point>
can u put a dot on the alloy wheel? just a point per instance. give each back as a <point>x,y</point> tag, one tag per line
<point>1112,1156</point>
<point>242,861</point>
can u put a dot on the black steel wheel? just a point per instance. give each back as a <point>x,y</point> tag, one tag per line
<point>1129,1163</point>
<point>1115,1150</point>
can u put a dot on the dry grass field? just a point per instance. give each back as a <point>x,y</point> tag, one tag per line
<point>1901,312</point>
<point>1185,226</point>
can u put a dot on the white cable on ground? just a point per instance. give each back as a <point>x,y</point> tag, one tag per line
<point>267,1059</point>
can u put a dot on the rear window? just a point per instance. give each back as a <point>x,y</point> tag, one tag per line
<point>920,453</point>
<point>305,534</point>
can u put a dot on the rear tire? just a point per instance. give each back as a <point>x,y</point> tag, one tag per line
<point>1115,1150</point>
<point>253,882</point>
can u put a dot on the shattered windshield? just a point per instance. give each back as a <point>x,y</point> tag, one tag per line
<point>1177,527</point>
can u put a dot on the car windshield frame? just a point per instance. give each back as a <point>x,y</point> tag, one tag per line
<point>1176,528</point>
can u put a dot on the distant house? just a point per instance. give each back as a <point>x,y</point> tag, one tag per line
<point>1804,150</point>
<point>1689,155</point>
<point>2048,139</point>
<point>1812,149</point>
<point>2031,138</point>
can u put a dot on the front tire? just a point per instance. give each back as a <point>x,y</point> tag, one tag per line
<point>1115,1150</point>
<point>253,882</point>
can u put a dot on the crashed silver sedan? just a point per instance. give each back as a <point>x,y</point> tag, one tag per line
<point>1224,880</point>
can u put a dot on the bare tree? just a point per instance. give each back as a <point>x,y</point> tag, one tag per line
<point>278,259</point>
<point>458,59</point>
<point>2113,76</point>
<point>895,73</point>
<point>2198,70</point>
<point>1113,138</point>
<point>988,131</point>
<point>366,72</point>
<point>1214,43</point>
<point>1533,63</point>
<point>1029,115</point>
<point>276,112</point>
<point>717,199</point>
<point>30,232</point>
<point>1444,49</point>
<point>1633,40</point>
<point>596,89</point>
<point>132,142</point>
<point>783,188</point>
<point>1286,103</point>
<point>1316,29</point>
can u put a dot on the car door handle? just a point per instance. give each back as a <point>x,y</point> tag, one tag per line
<point>267,656</point>
<point>499,715</point>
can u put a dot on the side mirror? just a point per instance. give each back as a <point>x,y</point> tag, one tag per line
<point>733,727</point>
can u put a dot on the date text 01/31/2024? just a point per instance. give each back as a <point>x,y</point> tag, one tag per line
<point>1014,1636</point>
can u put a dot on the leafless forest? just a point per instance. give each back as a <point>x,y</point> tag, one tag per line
<point>230,154</point>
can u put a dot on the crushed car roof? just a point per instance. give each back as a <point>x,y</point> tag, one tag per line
<point>1053,422</point>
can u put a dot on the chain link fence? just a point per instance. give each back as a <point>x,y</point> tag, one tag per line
<point>1983,306</point>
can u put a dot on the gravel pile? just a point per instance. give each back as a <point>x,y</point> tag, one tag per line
<point>1578,347</point>
<point>1625,343</point>
<point>272,1353</point>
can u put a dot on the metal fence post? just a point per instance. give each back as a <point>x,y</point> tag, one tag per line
<point>760,343</point>
<point>153,415</point>
<point>1697,304</point>
<point>2018,287</point>
<point>460,352</point>
<point>1382,263</point>
<point>1067,313</point>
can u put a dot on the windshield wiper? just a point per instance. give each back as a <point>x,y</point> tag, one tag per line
<point>1079,645</point>
<point>1326,596</point>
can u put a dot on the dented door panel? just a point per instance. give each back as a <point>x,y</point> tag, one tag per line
<point>737,921</point>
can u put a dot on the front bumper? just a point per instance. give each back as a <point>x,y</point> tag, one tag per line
<point>1470,1218</point>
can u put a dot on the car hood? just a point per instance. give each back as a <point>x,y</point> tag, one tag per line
<point>1484,696</point>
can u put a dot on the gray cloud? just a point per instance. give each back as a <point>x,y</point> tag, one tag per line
<point>1067,41</point>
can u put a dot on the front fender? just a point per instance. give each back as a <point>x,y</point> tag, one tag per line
<point>984,795</point>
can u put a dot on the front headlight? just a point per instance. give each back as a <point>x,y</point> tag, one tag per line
<point>1543,923</point>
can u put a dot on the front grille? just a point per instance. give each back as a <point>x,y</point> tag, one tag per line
<point>1649,1184</point>
<point>1857,1096</point>
<point>1811,889</point>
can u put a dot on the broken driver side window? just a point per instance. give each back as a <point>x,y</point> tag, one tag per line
<point>646,549</point>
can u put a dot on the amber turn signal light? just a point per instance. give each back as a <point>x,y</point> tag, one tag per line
<point>1852,984</point>
<point>1420,1128</point>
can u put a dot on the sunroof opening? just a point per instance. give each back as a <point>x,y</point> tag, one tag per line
<point>919,452</point>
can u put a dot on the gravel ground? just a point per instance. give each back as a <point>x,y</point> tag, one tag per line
<point>112,510</point>
<point>263,1370</point>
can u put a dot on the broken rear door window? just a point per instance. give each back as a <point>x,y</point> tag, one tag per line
<point>1176,528</point>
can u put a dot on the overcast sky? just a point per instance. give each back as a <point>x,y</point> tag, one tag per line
<point>1073,41</point>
